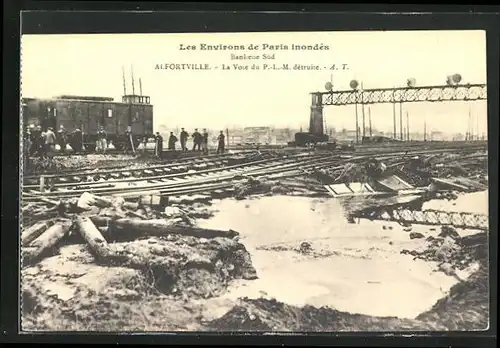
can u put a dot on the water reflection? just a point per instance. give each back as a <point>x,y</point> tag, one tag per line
<point>362,270</point>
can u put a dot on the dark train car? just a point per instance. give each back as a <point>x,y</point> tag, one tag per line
<point>302,138</point>
<point>90,113</point>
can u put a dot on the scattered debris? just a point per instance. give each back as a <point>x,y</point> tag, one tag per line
<point>271,315</point>
<point>450,248</point>
<point>93,260</point>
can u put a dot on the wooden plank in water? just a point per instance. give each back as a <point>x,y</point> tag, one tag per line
<point>394,183</point>
<point>352,190</point>
<point>449,184</point>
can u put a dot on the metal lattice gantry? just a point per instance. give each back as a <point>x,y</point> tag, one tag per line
<point>468,92</point>
<point>430,217</point>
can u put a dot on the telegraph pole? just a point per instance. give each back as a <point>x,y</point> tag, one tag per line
<point>401,120</point>
<point>133,85</point>
<point>363,111</point>
<point>394,111</point>
<point>477,127</point>
<point>357,123</point>
<point>124,83</point>
<point>407,126</point>
<point>370,120</point>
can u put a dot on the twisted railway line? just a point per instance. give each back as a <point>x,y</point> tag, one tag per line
<point>209,175</point>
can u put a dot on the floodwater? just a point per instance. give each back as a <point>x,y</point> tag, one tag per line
<point>358,266</point>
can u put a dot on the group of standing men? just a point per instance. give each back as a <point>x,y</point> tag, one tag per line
<point>42,143</point>
<point>200,141</point>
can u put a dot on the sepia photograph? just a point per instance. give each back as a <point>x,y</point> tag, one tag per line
<point>330,181</point>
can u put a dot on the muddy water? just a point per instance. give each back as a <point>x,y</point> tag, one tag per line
<point>476,202</point>
<point>357,268</point>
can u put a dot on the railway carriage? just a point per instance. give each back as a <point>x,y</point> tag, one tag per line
<point>89,113</point>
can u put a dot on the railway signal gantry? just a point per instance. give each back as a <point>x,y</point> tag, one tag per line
<point>408,94</point>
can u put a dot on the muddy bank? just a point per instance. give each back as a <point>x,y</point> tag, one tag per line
<point>130,274</point>
<point>71,291</point>
<point>271,315</point>
<point>465,307</point>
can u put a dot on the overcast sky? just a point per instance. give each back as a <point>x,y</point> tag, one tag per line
<point>92,65</point>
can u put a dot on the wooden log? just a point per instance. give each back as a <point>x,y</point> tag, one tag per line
<point>101,220</point>
<point>159,227</point>
<point>137,215</point>
<point>35,231</point>
<point>46,240</point>
<point>49,201</point>
<point>88,200</point>
<point>93,237</point>
<point>130,205</point>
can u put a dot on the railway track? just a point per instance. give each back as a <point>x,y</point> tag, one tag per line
<point>71,175</point>
<point>221,176</point>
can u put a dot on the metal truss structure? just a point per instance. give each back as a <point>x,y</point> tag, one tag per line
<point>468,92</point>
<point>430,217</point>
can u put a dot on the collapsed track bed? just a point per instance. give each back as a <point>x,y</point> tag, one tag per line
<point>192,177</point>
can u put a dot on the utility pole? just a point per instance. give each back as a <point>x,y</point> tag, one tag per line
<point>370,120</point>
<point>363,111</point>
<point>394,111</point>
<point>357,123</point>
<point>425,130</point>
<point>124,83</point>
<point>133,84</point>
<point>407,126</point>
<point>477,127</point>
<point>469,126</point>
<point>401,120</point>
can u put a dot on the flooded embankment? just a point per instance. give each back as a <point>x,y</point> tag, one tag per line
<point>306,253</point>
<point>297,263</point>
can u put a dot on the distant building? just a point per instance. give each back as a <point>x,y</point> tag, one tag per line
<point>438,136</point>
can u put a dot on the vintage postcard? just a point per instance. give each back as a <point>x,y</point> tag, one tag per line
<point>265,182</point>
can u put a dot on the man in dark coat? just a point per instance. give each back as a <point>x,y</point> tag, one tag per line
<point>158,144</point>
<point>50,142</point>
<point>129,143</point>
<point>205,142</point>
<point>76,141</point>
<point>34,140</point>
<point>222,142</point>
<point>62,137</point>
<point>102,143</point>
<point>171,141</point>
<point>196,140</point>
<point>27,147</point>
<point>183,136</point>
<point>40,141</point>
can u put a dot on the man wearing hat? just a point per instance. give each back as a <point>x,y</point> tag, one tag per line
<point>158,144</point>
<point>50,142</point>
<point>101,140</point>
<point>37,141</point>
<point>27,146</point>
<point>63,137</point>
<point>33,139</point>
<point>129,144</point>
<point>77,140</point>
